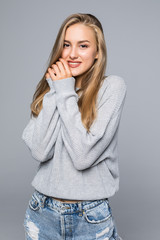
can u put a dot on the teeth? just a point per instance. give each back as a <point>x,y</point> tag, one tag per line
<point>73,63</point>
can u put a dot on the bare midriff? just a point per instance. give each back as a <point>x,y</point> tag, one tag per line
<point>66,200</point>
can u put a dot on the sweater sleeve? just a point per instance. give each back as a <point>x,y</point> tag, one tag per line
<point>41,132</point>
<point>86,148</point>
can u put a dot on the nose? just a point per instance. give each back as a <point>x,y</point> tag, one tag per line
<point>73,53</point>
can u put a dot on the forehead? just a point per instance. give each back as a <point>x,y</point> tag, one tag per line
<point>79,32</point>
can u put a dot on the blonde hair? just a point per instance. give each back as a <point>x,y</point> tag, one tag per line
<point>91,80</point>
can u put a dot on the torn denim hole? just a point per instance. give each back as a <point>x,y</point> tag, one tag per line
<point>106,230</point>
<point>32,230</point>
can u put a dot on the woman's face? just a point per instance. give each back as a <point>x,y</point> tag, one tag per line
<point>80,49</point>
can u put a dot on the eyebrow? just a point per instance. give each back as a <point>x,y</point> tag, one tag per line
<point>78,41</point>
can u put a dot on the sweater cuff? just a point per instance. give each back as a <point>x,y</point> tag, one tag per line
<point>50,83</point>
<point>64,85</point>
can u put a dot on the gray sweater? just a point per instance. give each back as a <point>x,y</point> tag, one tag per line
<point>75,164</point>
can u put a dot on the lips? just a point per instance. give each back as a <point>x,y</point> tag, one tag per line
<point>73,64</point>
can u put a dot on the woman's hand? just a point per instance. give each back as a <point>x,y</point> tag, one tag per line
<point>59,70</point>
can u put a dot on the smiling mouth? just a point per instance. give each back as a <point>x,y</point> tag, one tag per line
<point>74,64</point>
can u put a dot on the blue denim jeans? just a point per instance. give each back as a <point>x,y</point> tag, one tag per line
<point>50,219</point>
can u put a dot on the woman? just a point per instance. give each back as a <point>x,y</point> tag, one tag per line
<point>72,133</point>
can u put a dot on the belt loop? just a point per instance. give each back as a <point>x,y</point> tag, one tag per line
<point>43,200</point>
<point>80,208</point>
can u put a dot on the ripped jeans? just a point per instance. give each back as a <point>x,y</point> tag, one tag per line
<point>50,219</point>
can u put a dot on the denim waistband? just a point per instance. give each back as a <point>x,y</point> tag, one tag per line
<point>66,207</point>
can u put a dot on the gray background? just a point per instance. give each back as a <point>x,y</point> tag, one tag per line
<point>28,31</point>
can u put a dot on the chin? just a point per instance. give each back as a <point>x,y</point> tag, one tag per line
<point>76,73</point>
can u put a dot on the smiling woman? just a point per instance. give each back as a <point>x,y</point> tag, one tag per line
<point>80,57</point>
<point>80,54</point>
<point>74,138</point>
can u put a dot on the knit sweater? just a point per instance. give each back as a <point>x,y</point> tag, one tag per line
<point>75,164</point>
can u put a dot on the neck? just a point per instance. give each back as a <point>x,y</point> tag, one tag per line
<point>78,82</point>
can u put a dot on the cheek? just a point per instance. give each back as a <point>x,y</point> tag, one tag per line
<point>64,53</point>
<point>88,56</point>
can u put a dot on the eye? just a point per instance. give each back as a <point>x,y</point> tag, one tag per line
<point>84,46</point>
<point>65,45</point>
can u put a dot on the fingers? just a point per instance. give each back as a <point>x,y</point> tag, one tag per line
<point>56,70</point>
<point>59,70</point>
<point>47,75</point>
<point>61,67</point>
<point>65,65</point>
<point>52,73</point>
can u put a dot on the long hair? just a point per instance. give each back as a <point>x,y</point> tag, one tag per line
<point>91,80</point>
